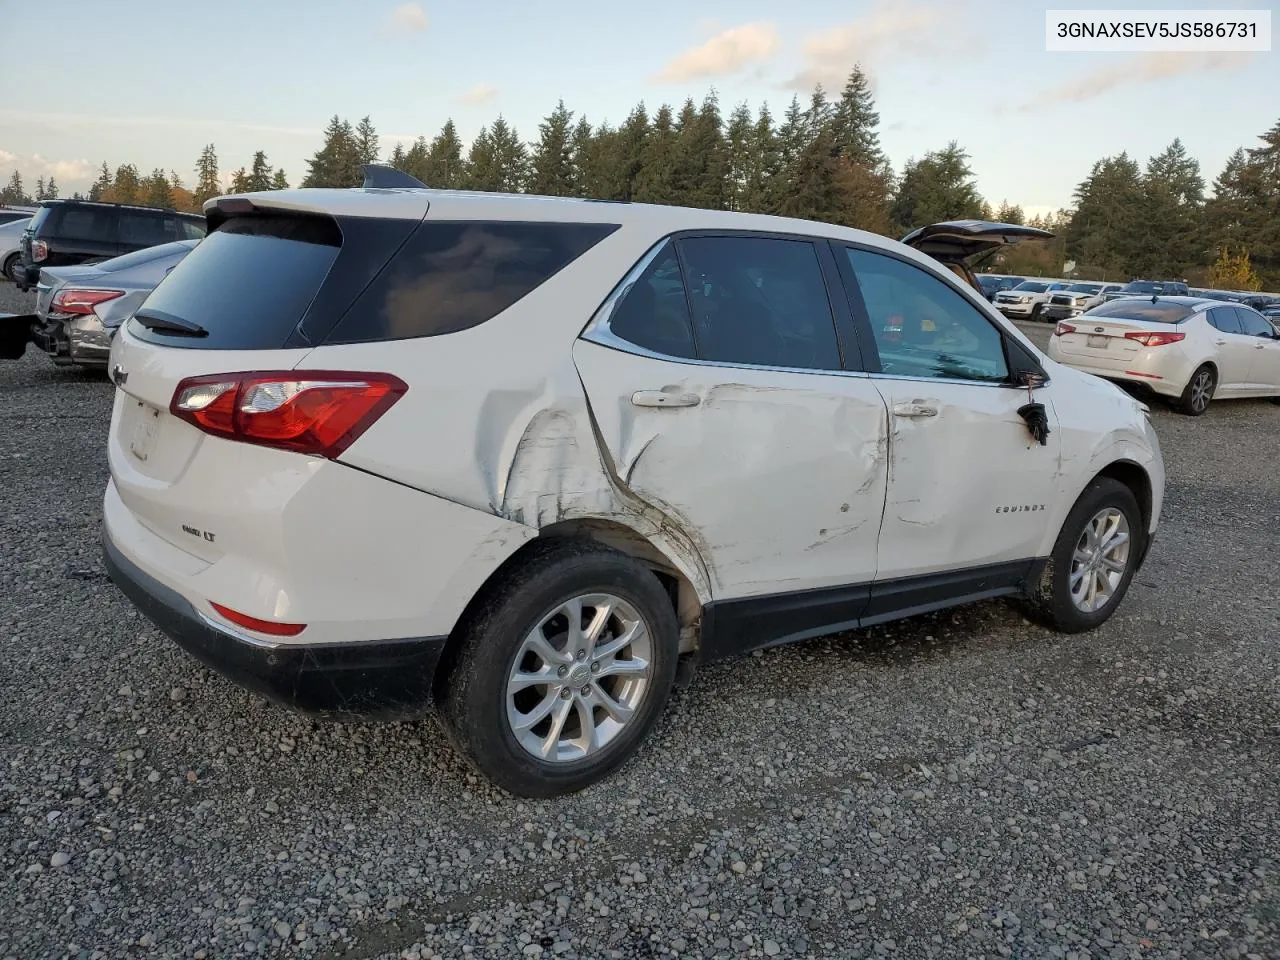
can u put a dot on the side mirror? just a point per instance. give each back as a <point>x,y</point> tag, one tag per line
<point>1029,379</point>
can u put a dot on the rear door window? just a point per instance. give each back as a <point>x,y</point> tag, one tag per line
<point>760,301</point>
<point>141,229</point>
<point>81,223</point>
<point>1224,319</point>
<point>454,275</point>
<point>654,312</point>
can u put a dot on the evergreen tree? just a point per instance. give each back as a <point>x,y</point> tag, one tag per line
<point>818,117</point>
<point>259,173</point>
<point>240,181</point>
<point>51,189</point>
<point>279,181</point>
<point>208,184</point>
<point>337,162</point>
<point>790,143</point>
<point>157,191</point>
<point>552,172</point>
<point>415,160</point>
<point>102,184</point>
<point>1107,231</point>
<point>1244,213</point>
<point>854,123</point>
<point>583,159</point>
<point>1174,200</point>
<point>765,165</point>
<point>814,182</point>
<point>511,158</point>
<point>366,142</point>
<point>397,157</point>
<point>629,152</point>
<point>654,181</point>
<point>442,167</point>
<point>40,188</point>
<point>937,187</point>
<point>14,192</point>
<point>865,196</point>
<point>126,186</point>
<point>1010,213</point>
<point>739,156</point>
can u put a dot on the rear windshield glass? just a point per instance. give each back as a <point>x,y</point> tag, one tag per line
<point>1162,311</point>
<point>247,284</point>
<point>1030,286</point>
<point>1084,287</point>
<point>450,276</point>
<point>39,218</point>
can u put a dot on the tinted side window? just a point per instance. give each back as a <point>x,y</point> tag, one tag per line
<point>451,276</point>
<point>139,229</point>
<point>82,223</point>
<point>191,230</point>
<point>653,313</point>
<point>1224,319</point>
<point>922,327</point>
<point>1252,324</point>
<point>759,300</point>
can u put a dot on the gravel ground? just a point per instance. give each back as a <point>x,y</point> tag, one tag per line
<point>960,785</point>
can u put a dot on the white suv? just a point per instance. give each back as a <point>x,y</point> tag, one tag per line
<point>516,456</point>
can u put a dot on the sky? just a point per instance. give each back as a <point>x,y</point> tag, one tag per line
<point>162,79</point>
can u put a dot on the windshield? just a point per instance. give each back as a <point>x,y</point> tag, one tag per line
<point>1084,287</point>
<point>1161,311</point>
<point>1142,286</point>
<point>1031,286</point>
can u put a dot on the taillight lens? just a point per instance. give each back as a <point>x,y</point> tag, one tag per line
<point>1155,339</point>
<point>1062,329</point>
<point>39,250</point>
<point>273,628</point>
<point>314,412</point>
<point>80,302</point>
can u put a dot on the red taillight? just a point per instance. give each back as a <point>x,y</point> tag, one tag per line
<point>270,627</point>
<point>1063,328</point>
<point>80,302</point>
<point>1155,339</point>
<point>39,250</point>
<point>319,412</point>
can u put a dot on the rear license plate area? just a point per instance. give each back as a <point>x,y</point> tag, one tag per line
<point>146,423</point>
<point>1098,343</point>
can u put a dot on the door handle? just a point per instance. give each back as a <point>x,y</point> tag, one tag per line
<point>914,409</point>
<point>1220,343</point>
<point>660,398</point>
<point>1259,346</point>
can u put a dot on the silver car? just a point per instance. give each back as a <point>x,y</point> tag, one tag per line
<point>79,308</point>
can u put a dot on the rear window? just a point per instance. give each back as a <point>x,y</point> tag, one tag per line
<point>1162,311</point>
<point>451,276</point>
<point>1030,286</point>
<point>146,255</point>
<point>1084,288</point>
<point>248,283</point>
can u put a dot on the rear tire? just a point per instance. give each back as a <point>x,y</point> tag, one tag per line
<point>1198,392</point>
<point>594,708</point>
<point>10,268</point>
<point>1035,313</point>
<point>1106,512</point>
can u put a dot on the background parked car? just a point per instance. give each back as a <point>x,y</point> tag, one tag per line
<point>1150,288</point>
<point>11,246</point>
<point>1076,299</point>
<point>79,309</point>
<point>1026,301</point>
<point>1185,348</point>
<point>10,213</point>
<point>993,283</point>
<point>68,232</point>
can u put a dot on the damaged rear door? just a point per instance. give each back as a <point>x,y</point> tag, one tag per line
<point>717,381</point>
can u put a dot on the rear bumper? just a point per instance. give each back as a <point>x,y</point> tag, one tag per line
<point>28,277</point>
<point>377,678</point>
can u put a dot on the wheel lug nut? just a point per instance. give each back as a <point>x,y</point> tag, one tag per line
<point>595,668</point>
<point>563,672</point>
<point>582,654</point>
<point>566,693</point>
<point>586,691</point>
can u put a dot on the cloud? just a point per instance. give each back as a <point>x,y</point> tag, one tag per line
<point>46,117</point>
<point>889,32</point>
<point>481,93</point>
<point>409,18</point>
<point>68,172</point>
<point>727,52</point>
<point>1135,70</point>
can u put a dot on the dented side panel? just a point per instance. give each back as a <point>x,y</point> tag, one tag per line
<point>968,486</point>
<point>776,478</point>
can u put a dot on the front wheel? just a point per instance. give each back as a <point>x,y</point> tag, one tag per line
<point>1036,312</point>
<point>1199,391</point>
<point>1093,561</point>
<point>565,670</point>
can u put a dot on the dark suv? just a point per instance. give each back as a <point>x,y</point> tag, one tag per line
<point>65,232</point>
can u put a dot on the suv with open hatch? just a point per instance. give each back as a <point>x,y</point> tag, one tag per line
<point>69,232</point>
<point>517,456</point>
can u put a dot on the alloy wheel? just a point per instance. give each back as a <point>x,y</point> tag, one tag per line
<point>1100,560</point>
<point>579,677</point>
<point>1201,390</point>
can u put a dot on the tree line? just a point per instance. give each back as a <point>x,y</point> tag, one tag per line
<point>821,160</point>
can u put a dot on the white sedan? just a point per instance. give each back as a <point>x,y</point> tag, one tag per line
<point>10,247</point>
<point>1186,348</point>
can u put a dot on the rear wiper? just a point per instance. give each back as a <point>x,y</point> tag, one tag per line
<point>167,322</point>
